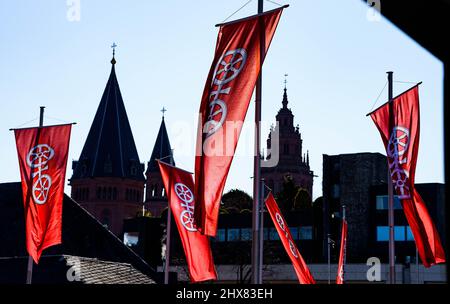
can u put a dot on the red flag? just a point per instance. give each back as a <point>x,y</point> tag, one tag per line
<point>179,185</point>
<point>224,104</point>
<point>301,269</point>
<point>401,141</point>
<point>342,254</point>
<point>43,159</point>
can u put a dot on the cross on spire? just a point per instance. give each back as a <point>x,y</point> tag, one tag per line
<point>285,80</point>
<point>113,46</point>
<point>163,110</point>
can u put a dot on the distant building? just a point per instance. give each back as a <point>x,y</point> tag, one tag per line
<point>232,245</point>
<point>292,160</point>
<point>155,196</point>
<point>108,177</point>
<point>347,179</point>
<point>359,181</point>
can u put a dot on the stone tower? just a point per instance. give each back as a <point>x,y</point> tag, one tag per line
<point>108,177</point>
<point>292,161</point>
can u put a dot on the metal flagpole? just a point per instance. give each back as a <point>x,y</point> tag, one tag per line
<point>329,258</point>
<point>168,232</point>
<point>345,247</point>
<point>390,189</point>
<point>261,233</point>
<point>30,259</point>
<point>257,160</point>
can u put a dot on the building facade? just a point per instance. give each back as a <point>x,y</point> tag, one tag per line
<point>347,179</point>
<point>359,181</point>
<point>285,155</point>
<point>108,178</point>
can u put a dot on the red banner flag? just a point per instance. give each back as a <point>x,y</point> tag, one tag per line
<point>401,141</point>
<point>179,185</point>
<point>301,269</point>
<point>43,159</point>
<point>342,254</point>
<point>224,104</point>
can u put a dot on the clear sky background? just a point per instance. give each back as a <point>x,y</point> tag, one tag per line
<point>336,58</point>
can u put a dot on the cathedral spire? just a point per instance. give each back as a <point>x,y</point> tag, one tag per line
<point>110,150</point>
<point>162,148</point>
<point>285,99</point>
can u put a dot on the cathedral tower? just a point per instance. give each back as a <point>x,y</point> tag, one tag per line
<point>292,160</point>
<point>108,177</point>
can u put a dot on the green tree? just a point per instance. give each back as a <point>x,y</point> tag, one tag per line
<point>235,200</point>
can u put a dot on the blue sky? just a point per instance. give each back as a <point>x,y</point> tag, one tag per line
<point>335,56</point>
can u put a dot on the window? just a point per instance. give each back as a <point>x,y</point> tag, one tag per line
<point>306,233</point>
<point>383,204</point>
<point>409,235</point>
<point>246,234</point>
<point>382,233</point>
<point>131,238</point>
<point>294,232</point>
<point>114,193</point>
<point>273,234</point>
<point>220,236</point>
<point>336,191</point>
<point>401,233</point>
<point>233,235</point>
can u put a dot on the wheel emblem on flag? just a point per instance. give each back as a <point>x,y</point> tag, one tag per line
<point>399,141</point>
<point>187,198</point>
<point>229,66</point>
<point>184,193</point>
<point>397,154</point>
<point>293,249</point>
<point>37,159</point>
<point>280,221</point>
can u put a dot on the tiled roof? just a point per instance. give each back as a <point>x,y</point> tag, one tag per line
<point>94,271</point>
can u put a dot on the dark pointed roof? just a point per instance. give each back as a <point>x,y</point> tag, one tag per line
<point>109,150</point>
<point>162,149</point>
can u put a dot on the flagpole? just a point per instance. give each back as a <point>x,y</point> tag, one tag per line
<point>390,189</point>
<point>168,233</point>
<point>261,232</point>
<point>30,259</point>
<point>329,258</point>
<point>257,160</point>
<point>345,248</point>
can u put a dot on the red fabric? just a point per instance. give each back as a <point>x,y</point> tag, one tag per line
<point>402,146</point>
<point>43,159</point>
<point>179,186</point>
<point>223,107</point>
<point>342,254</point>
<point>301,269</point>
